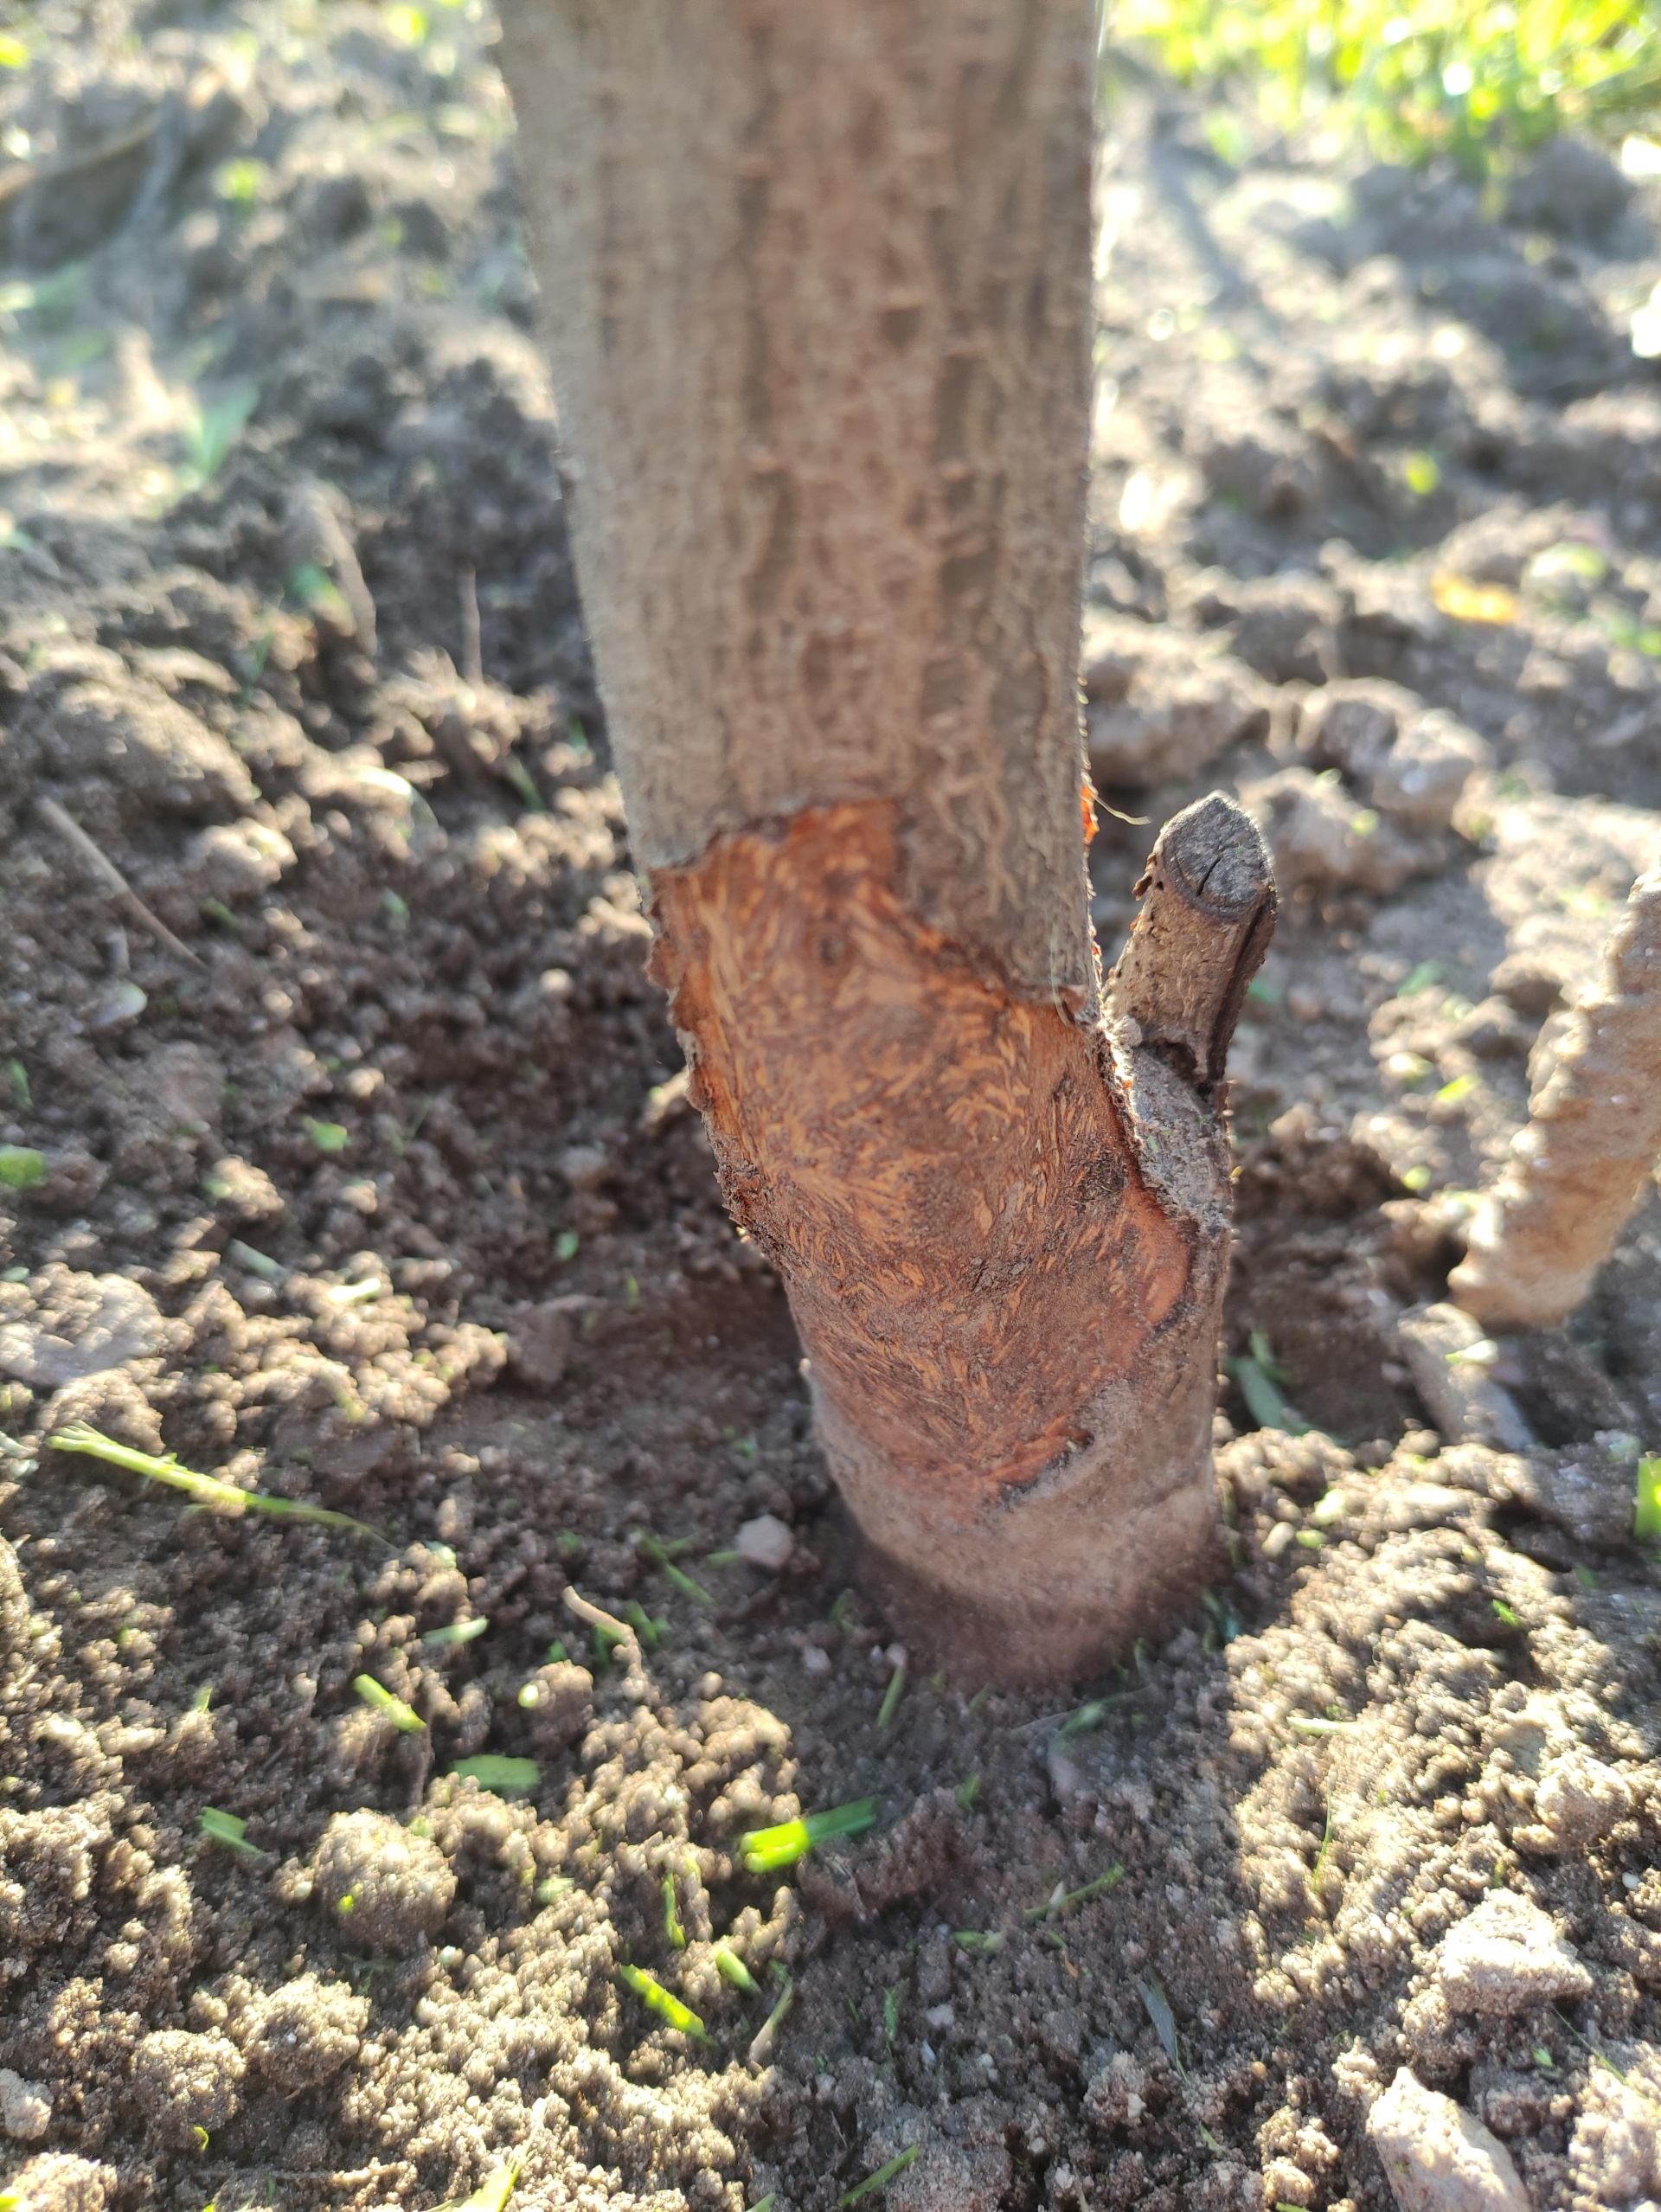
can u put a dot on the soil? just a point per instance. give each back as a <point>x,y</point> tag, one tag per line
<point>366,1180</point>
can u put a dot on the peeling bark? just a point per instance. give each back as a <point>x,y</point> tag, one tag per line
<point>1004,1232</point>
<point>816,295</point>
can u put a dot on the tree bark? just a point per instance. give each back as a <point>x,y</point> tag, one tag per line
<point>815,286</point>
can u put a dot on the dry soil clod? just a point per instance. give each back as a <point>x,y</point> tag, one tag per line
<point>1578,1165</point>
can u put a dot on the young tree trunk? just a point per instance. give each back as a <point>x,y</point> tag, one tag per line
<point>816,286</point>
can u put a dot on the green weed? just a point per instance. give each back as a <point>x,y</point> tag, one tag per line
<point>1482,80</point>
<point>207,433</point>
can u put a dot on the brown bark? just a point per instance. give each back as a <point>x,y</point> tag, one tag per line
<point>817,291</point>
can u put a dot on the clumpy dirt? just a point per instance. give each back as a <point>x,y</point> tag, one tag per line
<point>360,1174</point>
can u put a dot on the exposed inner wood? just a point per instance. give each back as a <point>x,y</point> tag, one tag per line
<point>937,1167</point>
<point>1003,1238</point>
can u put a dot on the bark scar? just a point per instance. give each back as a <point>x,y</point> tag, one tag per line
<point>943,1169</point>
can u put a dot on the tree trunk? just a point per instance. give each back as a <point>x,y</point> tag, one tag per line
<point>816,286</point>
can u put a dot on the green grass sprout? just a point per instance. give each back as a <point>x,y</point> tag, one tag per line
<point>493,2192</point>
<point>17,1081</point>
<point>1087,1717</point>
<point>1224,1616</point>
<point>1601,2058</point>
<point>224,1828</point>
<point>675,1933</point>
<point>649,1631</point>
<point>766,1850</point>
<point>1646,1506</point>
<point>256,1263</point>
<point>1157,2005</point>
<point>240,182</point>
<point>765,2204</point>
<point>1260,1375</point>
<point>514,772</point>
<point>207,433</point>
<point>891,1697</point>
<point>566,1245</point>
<point>328,1135</point>
<point>457,1631</point>
<point>668,2007</point>
<point>492,1771</point>
<point>884,2176</point>
<point>22,1167</point>
<point>1321,1856</point>
<point>1505,1612</point>
<point>731,1968</point>
<point>1060,1899</point>
<point>723,1558</point>
<point>403,1717</point>
<point>556,1885</point>
<point>979,1944</point>
<point>966,1792</point>
<point>317,592</point>
<point>662,1557</point>
<point>1302,1724</point>
<point>206,1490</point>
<point>761,2050</point>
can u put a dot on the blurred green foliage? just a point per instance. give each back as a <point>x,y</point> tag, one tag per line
<point>1478,80</point>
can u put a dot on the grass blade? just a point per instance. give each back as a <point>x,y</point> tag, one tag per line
<point>206,1490</point>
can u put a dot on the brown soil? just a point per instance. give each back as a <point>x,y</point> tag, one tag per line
<point>386,1197</point>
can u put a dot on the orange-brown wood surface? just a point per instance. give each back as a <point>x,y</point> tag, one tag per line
<point>936,1165</point>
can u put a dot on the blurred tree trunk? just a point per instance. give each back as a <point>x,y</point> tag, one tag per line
<point>815,284</point>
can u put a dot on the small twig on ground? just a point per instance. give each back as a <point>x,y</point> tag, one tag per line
<point>110,878</point>
<point>472,651</point>
<point>585,1609</point>
<point>315,532</point>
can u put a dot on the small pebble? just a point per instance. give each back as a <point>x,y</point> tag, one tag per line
<point>766,1541</point>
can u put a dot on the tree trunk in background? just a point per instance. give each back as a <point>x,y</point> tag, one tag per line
<point>815,286</point>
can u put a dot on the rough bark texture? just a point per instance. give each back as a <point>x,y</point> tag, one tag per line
<point>1199,940</point>
<point>817,294</point>
<point>816,286</point>
<point>1592,1134</point>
